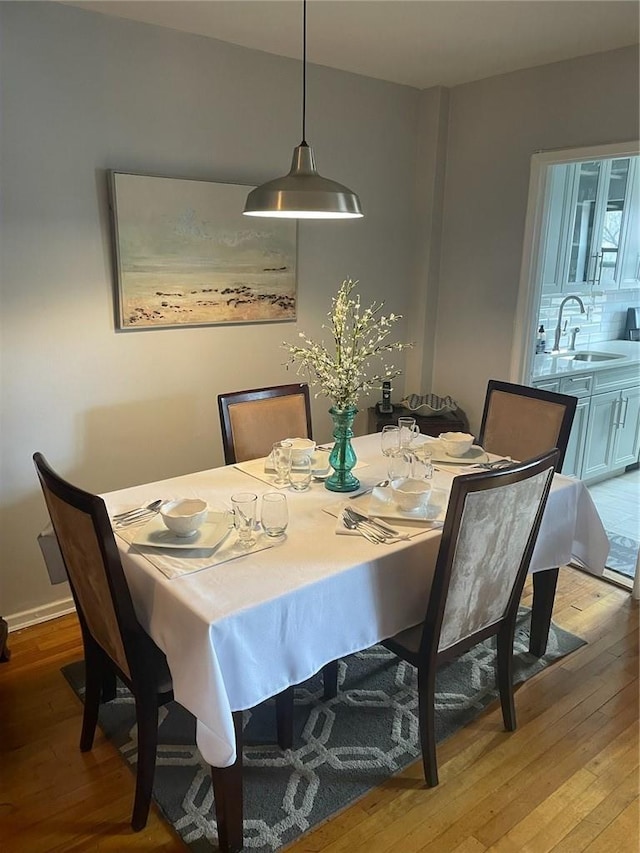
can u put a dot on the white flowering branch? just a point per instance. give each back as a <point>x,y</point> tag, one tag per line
<point>359,338</point>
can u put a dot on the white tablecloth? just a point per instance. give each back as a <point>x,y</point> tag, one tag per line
<point>242,631</point>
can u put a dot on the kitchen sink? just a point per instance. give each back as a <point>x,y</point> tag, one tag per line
<point>592,356</point>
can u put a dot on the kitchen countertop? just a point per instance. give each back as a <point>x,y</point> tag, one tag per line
<point>551,365</point>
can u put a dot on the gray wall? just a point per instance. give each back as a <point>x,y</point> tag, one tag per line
<point>83,93</point>
<point>495,126</point>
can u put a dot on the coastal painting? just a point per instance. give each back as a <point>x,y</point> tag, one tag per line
<point>186,256</point>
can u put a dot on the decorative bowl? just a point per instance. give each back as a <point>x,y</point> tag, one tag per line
<point>301,448</point>
<point>183,517</point>
<point>456,443</point>
<point>410,494</point>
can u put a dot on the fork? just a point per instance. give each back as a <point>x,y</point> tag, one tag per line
<point>153,507</point>
<point>350,524</point>
<point>136,518</point>
<point>389,533</point>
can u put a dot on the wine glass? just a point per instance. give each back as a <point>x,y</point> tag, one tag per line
<point>274,514</point>
<point>389,439</point>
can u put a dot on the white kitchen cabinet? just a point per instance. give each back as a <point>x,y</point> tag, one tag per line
<point>630,273</point>
<point>613,433</point>
<point>627,444</point>
<point>580,387</point>
<point>572,465</point>
<point>605,436</point>
<point>599,204</point>
<point>555,228</point>
<point>601,432</point>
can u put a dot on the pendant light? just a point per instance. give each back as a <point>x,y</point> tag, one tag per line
<point>303,193</point>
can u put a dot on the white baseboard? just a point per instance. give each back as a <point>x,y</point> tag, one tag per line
<point>36,615</point>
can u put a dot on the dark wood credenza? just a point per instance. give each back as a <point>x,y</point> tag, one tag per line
<point>429,424</point>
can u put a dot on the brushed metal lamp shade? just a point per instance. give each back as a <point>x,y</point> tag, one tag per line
<point>303,193</point>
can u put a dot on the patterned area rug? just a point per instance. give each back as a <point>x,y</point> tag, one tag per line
<point>623,553</point>
<point>344,747</point>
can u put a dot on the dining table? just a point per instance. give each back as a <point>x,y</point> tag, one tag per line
<point>239,626</point>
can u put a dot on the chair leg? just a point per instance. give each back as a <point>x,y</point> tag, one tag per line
<point>227,793</point>
<point>109,688</point>
<point>95,668</point>
<point>284,718</point>
<point>330,679</point>
<point>544,591</point>
<point>505,674</point>
<point>426,720</point>
<point>147,719</point>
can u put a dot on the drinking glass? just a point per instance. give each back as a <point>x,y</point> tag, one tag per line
<point>408,431</point>
<point>389,439</point>
<point>244,516</point>
<point>421,464</point>
<point>399,464</point>
<point>300,474</point>
<point>274,515</point>
<point>281,456</point>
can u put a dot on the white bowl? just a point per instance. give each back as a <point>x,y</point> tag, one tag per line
<point>183,517</point>
<point>456,443</point>
<point>301,448</point>
<point>410,494</point>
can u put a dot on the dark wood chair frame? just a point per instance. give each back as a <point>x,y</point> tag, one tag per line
<point>428,658</point>
<point>544,583</point>
<point>253,395</point>
<point>150,677</point>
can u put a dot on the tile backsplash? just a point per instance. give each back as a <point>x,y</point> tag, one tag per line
<point>605,319</point>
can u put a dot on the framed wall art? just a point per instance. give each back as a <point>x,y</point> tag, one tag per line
<point>186,256</point>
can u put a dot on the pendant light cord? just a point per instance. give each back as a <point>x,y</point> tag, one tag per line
<point>304,71</point>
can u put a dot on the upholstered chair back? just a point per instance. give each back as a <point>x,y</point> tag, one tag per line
<point>252,421</point>
<point>523,422</point>
<point>495,530</point>
<point>82,528</point>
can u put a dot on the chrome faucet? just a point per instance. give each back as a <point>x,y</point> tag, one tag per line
<point>556,342</point>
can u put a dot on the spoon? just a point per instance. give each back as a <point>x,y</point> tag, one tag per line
<point>152,507</point>
<point>383,484</point>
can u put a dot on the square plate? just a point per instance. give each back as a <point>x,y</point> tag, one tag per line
<point>382,504</point>
<point>213,531</point>
<point>474,455</point>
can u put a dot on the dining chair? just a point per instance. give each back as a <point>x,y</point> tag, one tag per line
<point>523,422</point>
<point>115,644</point>
<point>252,421</point>
<point>488,537</point>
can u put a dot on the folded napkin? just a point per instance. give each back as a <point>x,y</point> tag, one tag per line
<point>174,563</point>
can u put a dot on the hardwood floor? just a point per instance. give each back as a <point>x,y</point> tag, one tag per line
<point>565,781</point>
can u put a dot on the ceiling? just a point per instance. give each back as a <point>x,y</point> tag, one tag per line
<point>419,43</point>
